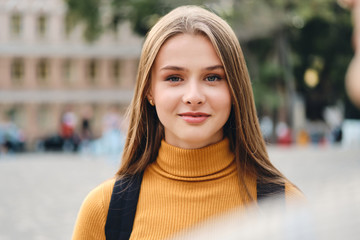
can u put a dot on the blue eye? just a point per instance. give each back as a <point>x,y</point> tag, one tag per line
<point>213,78</point>
<point>173,79</point>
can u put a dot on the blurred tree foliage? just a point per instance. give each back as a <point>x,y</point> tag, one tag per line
<point>281,39</point>
<point>323,45</point>
<point>86,12</point>
<point>101,15</point>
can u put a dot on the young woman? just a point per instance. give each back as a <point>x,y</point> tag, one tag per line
<point>194,135</point>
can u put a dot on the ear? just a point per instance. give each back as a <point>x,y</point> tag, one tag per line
<point>149,93</point>
<point>150,97</point>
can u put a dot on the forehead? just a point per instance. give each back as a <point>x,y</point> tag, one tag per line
<point>187,49</point>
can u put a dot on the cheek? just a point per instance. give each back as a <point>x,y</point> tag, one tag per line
<point>222,100</point>
<point>226,109</point>
<point>223,105</point>
<point>165,102</point>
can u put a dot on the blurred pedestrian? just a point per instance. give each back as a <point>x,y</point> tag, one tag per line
<point>12,138</point>
<point>283,133</point>
<point>86,133</point>
<point>112,138</point>
<point>68,124</point>
<point>67,130</point>
<point>111,120</point>
<point>267,127</point>
<point>194,142</point>
<point>303,138</point>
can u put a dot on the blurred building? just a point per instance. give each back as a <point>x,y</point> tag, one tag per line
<point>46,69</point>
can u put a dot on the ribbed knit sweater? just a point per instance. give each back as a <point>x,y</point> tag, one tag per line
<point>181,188</point>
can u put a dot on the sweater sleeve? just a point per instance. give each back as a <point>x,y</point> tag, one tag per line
<point>90,223</point>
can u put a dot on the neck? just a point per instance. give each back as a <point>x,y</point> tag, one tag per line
<point>193,144</point>
<point>195,162</point>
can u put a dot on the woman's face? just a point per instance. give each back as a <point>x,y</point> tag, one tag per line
<point>190,91</point>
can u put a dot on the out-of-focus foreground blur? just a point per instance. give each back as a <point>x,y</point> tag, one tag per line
<point>67,73</point>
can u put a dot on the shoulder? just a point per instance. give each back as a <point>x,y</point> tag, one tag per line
<point>101,195</point>
<point>92,216</point>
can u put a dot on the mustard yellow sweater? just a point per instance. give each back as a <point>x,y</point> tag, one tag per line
<point>181,188</point>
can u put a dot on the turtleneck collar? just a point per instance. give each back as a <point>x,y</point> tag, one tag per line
<point>194,163</point>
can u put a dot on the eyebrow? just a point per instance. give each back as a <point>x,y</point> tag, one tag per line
<point>176,68</point>
<point>215,67</point>
<point>172,68</point>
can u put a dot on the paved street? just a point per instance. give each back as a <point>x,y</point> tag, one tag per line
<point>41,194</point>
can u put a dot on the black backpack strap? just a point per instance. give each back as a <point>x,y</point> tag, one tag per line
<point>265,190</point>
<point>122,208</point>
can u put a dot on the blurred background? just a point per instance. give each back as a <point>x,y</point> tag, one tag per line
<point>68,69</point>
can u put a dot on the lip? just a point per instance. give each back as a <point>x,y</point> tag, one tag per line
<point>194,117</point>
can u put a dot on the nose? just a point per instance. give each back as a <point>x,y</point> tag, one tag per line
<point>194,94</point>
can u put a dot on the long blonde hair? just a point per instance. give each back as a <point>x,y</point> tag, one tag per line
<point>242,128</point>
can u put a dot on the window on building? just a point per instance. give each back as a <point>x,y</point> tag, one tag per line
<point>17,71</point>
<point>92,71</point>
<point>16,24</point>
<point>42,71</point>
<point>41,24</point>
<point>116,71</point>
<point>67,70</point>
